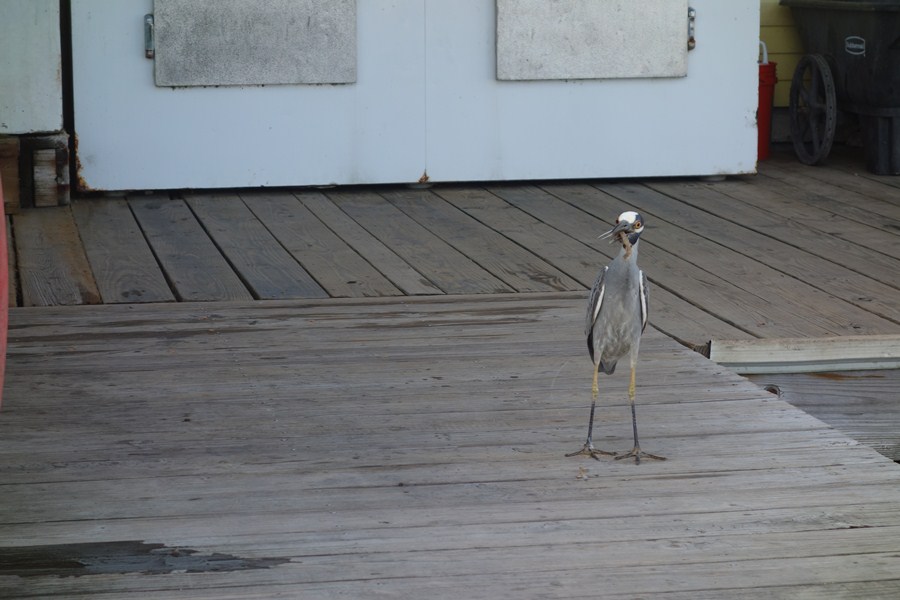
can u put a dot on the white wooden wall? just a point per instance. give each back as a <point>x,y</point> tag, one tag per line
<point>426,99</point>
<point>30,67</point>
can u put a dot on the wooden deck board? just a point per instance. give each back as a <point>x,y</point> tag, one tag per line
<point>852,401</point>
<point>509,262</point>
<point>830,216</point>
<point>449,269</point>
<point>724,299</point>
<point>53,267</point>
<point>340,270</point>
<point>123,264</point>
<point>413,448</point>
<point>677,317</point>
<point>872,201</point>
<point>192,263</point>
<point>810,278</point>
<point>380,256</point>
<point>781,298</point>
<point>256,255</point>
<point>771,212</point>
<point>793,252</point>
<point>11,264</point>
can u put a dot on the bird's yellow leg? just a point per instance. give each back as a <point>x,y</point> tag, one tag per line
<point>588,448</point>
<point>636,453</point>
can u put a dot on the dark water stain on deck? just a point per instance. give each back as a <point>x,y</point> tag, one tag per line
<point>94,558</point>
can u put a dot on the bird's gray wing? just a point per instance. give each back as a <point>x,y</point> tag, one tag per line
<point>645,301</point>
<point>593,309</point>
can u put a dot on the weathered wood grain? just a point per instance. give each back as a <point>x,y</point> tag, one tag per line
<point>771,212</point>
<point>13,279</point>
<point>724,299</point>
<point>192,263</point>
<point>831,215</point>
<point>837,193</point>
<point>449,269</point>
<point>677,317</point>
<point>768,238</point>
<point>737,253</point>
<point>877,186</point>
<point>336,267</point>
<point>862,404</point>
<point>380,256</point>
<point>122,262</point>
<point>807,309</point>
<point>509,262</point>
<point>260,260</point>
<point>413,448</point>
<point>53,269</point>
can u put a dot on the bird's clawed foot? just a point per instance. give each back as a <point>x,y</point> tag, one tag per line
<point>637,454</point>
<point>589,450</point>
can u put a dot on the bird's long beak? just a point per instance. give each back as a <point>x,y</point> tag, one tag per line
<point>620,226</point>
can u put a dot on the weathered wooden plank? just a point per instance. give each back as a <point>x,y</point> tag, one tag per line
<point>192,263</point>
<point>773,213</point>
<point>511,263</point>
<point>446,267</point>
<point>842,173</point>
<point>122,262</point>
<point>727,301</point>
<point>9,174</point>
<point>335,266</point>
<point>805,306</point>
<point>265,266</point>
<point>383,258</point>
<point>856,198</point>
<point>813,208</point>
<point>413,447</point>
<point>13,279</point>
<point>675,316</point>
<point>807,355</point>
<point>862,404</point>
<point>864,290</point>
<point>53,269</point>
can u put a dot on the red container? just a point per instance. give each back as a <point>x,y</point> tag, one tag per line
<point>767,81</point>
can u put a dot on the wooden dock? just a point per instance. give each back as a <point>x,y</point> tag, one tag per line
<point>368,393</point>
<point>412,448</point>
<point>794,252</point>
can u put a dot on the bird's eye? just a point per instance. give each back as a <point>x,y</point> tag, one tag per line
<point>637,224</point>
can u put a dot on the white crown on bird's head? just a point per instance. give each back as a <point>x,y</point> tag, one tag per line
<point>629,222</point>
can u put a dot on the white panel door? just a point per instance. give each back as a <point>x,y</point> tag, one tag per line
<point>134,135</point>
<point>480,128</point>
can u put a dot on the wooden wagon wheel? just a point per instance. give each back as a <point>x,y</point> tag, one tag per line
<point>813,109</point>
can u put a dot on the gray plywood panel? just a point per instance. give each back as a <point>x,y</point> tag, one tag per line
<point>245,42</point>
<point>586,39</point>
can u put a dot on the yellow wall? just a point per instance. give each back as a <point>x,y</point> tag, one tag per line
<point>778,32</point>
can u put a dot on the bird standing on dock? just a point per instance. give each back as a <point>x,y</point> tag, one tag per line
<point>616,318</point>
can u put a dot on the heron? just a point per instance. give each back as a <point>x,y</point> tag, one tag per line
<point>616,318</point>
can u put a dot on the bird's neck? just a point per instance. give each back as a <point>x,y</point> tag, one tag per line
<point>629,249</point>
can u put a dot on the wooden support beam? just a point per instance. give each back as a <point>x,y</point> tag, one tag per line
<point>809,355</point>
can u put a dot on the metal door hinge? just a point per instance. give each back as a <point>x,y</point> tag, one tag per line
<point>149,50</point>
<point>692,18</point>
